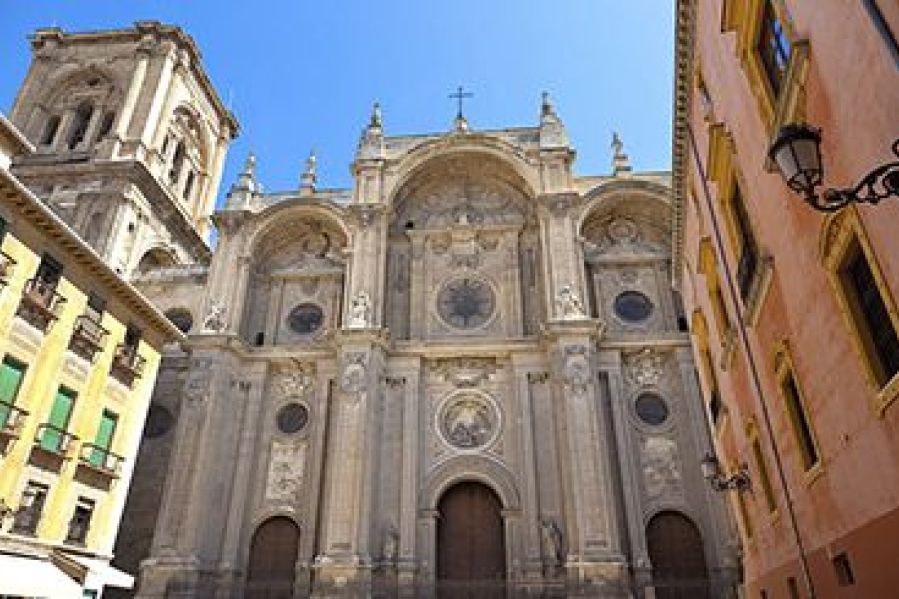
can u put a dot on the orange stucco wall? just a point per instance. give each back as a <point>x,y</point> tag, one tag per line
<point>852,94</point>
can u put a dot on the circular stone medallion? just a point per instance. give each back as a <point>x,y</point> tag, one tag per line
<point>468,421</point>
<point>466,302</point>
<point>651,409</point>
<point>292,418</point>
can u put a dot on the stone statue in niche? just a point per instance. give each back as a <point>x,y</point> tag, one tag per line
<point>390,545</point>
<point>570,306</point>
<point>215,318</point>
<point>360,311</point>
<point>551,538</point>
<point>468,421</point>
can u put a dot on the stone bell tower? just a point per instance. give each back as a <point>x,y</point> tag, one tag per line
<point>131,139</point>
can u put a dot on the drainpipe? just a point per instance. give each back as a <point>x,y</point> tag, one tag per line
<point>750,357</point>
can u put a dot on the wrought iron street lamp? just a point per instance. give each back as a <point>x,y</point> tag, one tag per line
<point>797,154</point>
<point>711,471</point>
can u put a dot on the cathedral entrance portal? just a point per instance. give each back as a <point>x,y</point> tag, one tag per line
<point>471,555</point>
<point>273,555</point>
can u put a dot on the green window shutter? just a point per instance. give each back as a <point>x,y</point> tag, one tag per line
<point>11,374</point>
<point>59,419</point>
<point>103,441</point>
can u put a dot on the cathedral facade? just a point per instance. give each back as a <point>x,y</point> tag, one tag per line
<point>469,369</point>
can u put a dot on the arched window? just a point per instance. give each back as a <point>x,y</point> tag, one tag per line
<point>106,125</point>
<point>50,130</point>
<point>80,123</point>
<point>188,185</point>
<point>177,162</point>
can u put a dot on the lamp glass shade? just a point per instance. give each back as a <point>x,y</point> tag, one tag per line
<point>709,464</point>
<point>796,151</point>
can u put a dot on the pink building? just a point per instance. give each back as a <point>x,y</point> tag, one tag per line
<point>794,310</point>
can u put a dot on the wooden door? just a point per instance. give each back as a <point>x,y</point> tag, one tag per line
<point>273,555</point>
<point>471,555</point>
<point>677,556</point>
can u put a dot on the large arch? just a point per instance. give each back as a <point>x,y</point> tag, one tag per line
<point>418,159</point>
<point>677,554</point>
<point>477,468</point>
<point>271,564</point>
<point>297,264</point>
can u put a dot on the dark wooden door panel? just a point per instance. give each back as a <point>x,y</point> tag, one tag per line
<point>470,543</point>
<point>273,555</point>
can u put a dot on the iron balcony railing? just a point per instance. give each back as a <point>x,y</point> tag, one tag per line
<point>7,263</point>
<point>11,419</point>
<point>100,459</point>
<point>54,439</point>
<point>127,364</point>
<point>41,304</point>
<point>88,336</point>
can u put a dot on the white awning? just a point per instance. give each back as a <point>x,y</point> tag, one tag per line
<point>101,573</point>
<point>35,577</point>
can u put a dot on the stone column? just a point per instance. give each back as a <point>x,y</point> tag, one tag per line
<point>250,392</point>
<point>533,555</point>
<point>592,536</point>
<point>131,96</point>
<point>409,478</point>
<point>345,559</point>
<point>365,298</point>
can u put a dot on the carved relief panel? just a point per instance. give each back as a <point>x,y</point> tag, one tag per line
<point>466,400</point>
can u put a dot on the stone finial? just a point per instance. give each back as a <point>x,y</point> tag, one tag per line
<point>460,124</point>
<point>547,108</point>
<point>552,130</point>
<point>246,187</point>
<point>308,178</point>
<point>371,142</point>
<point>620,164</point>
<point>375,120</point>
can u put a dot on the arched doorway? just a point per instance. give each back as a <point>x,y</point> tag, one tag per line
<point>677,556</point>
<point>273,555</point>
<point>471,553</point>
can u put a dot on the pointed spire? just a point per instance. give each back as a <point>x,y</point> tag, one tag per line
<point>246,186</point>
<point>552,130</point>
<point>621,166</point>
<point>308,178</point>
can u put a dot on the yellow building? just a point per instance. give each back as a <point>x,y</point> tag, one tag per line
<point>79,352</point>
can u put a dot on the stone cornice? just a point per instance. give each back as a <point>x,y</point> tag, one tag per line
<point>684,35</point>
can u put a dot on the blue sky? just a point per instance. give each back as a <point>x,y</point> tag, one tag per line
<point>301,74</point>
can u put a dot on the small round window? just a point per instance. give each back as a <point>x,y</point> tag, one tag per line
<point>651,409</point>
<point>159,422</point>
<point>305,319</point>
<point>292,418</point>
<point>633,306</point>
